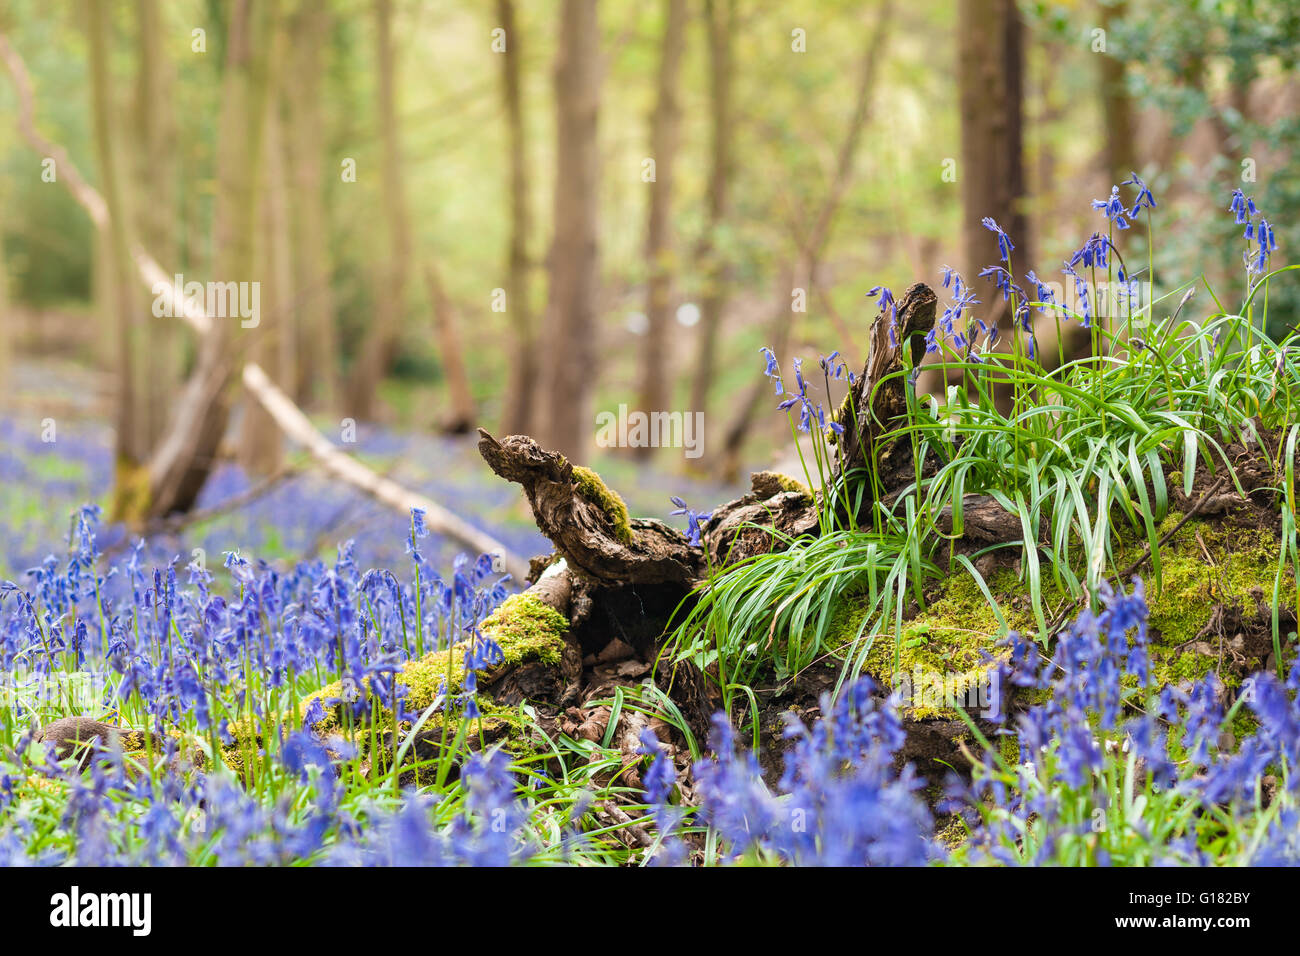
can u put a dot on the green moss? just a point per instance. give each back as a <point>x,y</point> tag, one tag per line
<point>1202,566</point>
<point>1009,746</point>
<point>786,483</point>
<point>946,639</point>
<point>950,634</point>
<point>591,487</point>
<point>131,491</point>
<point>526,630</point>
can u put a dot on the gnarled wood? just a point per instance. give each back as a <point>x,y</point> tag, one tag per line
<point>878,399</point>
<point>582,530</point>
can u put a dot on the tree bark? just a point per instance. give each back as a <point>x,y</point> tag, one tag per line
<point>182,462</point>
<point>1117,106</point>
<point>720,23</point>
<point>132,440</point>
<point>156,178</point>
<point>567,372</point>
<point>990,78</point>
<point>607,550</point>
<point>390,292</point>
<point>261,449</point>
<point>664,125</point>
<point>316,337</point>
<point>522,385</point>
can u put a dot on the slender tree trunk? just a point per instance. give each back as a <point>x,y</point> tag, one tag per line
<point>377,348</point>
<point>664,125</point>
<point>316,337</point>
<point>522,386</point>
<point>185,457</point>
<point>132,440</point>
<point>719,21</point>
<point>460,416</point>
<point>6,318</point>
<point>155,178</point>
<point>1117,106</point>
<point>566,378</point>
<point>990,77</point>
<point>261,448</point>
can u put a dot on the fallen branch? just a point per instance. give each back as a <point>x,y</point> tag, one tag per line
<point>290,419</point>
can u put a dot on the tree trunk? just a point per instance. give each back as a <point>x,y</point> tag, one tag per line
<point>316,338</point>
<point>155,178</point>
<point>1117,106</point>
<point>990,77</point>
<point>522,386</point>
<point>6,318</point>
<point>183,460</point>
<point>390,293</point>
<point>719,21</point>
<point>132,440</point>
<point>566,376</point>
<point>664,126</point>
<point>261,448</point>
<point>460,417</point>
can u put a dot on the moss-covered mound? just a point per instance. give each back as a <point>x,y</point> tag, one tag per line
<point>527,631</point>
<point>1210,610</point>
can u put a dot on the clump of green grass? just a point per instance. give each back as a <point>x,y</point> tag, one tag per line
<point>1082,455</point>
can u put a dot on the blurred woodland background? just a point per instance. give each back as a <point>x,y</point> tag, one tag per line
<point>519,213</point>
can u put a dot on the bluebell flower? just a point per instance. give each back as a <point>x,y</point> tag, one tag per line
<point>1005,245</point>
<point>888,307</point>
<point>1112,208</point>
<point>695,521</point>
<point>1144,198</point>
<point>1093,253</point>
<point>1003,281</point>
<point>773,370</point>
<point>1242,206</point>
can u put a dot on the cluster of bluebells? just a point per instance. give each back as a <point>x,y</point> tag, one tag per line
<point>184,654</point>
<point>811,412</point>
<point>1095,253</point>
<point>180,819</point>
<point>173,652</point>
<point>1258,231</point>
<point>950,328</point>
<point>841,802</point>
<point>1068,742</point>
<point>45,480</point>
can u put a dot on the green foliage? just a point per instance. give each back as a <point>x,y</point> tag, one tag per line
<point>1082,457</point>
